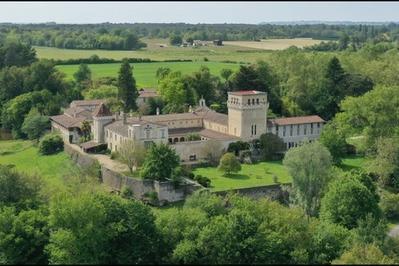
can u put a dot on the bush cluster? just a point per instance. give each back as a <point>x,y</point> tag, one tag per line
<point>51,144</point>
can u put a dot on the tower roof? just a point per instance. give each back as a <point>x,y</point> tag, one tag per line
<point>101,111</point>
<point>246,92</point>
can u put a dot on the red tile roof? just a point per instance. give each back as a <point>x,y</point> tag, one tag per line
<point>147,93</point>
<point>101,110</point>
<point>296,120</point>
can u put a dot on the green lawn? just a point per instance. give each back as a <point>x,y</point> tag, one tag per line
<point>353,162</point>
<point>251,175</point>
<point>144,73</point>
<point>24,155</point>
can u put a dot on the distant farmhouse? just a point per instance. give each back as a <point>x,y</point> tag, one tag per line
<point>246,120</point>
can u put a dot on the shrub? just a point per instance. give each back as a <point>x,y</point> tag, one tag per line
<point>390,205</point>
<point>127,192</point>
<point>51,144</point>
<point>238,146</point>
<point>203,180</point>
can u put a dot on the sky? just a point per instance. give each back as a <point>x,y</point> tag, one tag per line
<point>196,12</point>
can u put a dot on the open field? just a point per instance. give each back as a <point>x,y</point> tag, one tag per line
<point>154,52</point>
<point>274,44</point>
<point>251,175</point>
<point>144,73</point>
<point>24,155</point>
<point>239,51</point>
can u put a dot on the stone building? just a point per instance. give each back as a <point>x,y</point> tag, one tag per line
<point>246,120</point>
<point>294,130</point>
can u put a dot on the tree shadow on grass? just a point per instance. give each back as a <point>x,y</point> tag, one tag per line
<point>237,176</point>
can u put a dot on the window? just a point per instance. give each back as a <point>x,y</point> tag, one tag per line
<point>284,131</point>
<point>318,125</point>
<point>311,128</point>
<point>297,129</point>
<point>106,133</point>
<point>257,101</point>
<point>255,129</point>
<point>163,133</point>
<point>249,101</point>
<point>116,137</point>
<point>252,130</point>
<point>253,101</point>
<point>304,128</point>
<point>291,129</point>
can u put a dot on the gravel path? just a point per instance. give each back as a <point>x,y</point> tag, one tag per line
<point>394,231</point>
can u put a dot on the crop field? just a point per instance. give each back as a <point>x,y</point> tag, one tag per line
<point>154,51</point>
<point>144,73</point>
<point>274,44</point>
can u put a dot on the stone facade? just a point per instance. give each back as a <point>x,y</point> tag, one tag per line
<point>247,114</point>
<point>246,120</point>
<point>295,131</point>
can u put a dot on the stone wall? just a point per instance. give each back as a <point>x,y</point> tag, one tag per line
<point>188,148</point>
<point>115,181</point>
<point>80,158</point>
<point>273,192</point>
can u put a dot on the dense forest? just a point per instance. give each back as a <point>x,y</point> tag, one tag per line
<point>127,36</point>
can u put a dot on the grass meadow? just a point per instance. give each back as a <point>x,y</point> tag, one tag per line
<point>26,158</point>
<point>144,73</point>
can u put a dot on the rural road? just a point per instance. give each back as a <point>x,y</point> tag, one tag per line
<point>394,231</point>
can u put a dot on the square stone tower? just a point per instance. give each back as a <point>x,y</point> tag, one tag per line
<point>247,112</point>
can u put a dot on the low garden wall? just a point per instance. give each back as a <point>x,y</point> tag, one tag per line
<point>114,181</point>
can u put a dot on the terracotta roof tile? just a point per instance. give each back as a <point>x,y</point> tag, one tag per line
<point>101,111</point>
<point>246,92</point>
<point>296,120</point>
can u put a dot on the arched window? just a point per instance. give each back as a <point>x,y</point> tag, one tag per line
<point>257,100</point>
<point>253,101</point>
<point>182,139</point>
<point>249,101</point>
<point>175,140</point>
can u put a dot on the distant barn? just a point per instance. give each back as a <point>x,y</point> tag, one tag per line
<point>218,42</point>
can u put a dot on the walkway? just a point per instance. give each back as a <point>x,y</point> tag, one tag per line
<point>394,231</point>
<point>104,160</point>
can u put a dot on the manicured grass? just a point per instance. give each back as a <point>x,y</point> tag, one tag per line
<point>24,155</point>
<point>353,162</point>
<point>251,175</point>
<point>144,73</point>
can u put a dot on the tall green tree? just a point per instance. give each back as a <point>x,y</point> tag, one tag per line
<point>160,162</point>
<point>23,236</point>
<point>348,200</point>
<point>309,165</point>
<point>127,90</point>
<point>101,229</point>
<point>334,142</point>
<point>35,124</point>
<point>328,95</point>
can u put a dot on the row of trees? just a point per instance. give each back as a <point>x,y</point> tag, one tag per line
<point>124,36</point>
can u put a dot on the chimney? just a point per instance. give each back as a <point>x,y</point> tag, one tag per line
<point>157,110</point>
